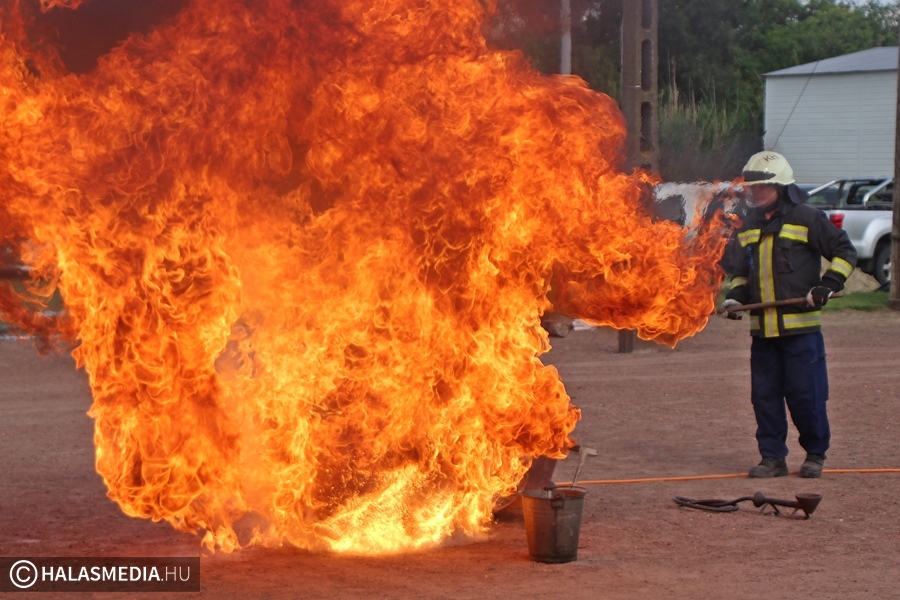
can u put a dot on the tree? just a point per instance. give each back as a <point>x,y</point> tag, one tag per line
<point>536,26</point>
<point>720,49</point>
<point>713,55</point>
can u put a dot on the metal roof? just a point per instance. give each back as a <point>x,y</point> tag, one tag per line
<point>883,58</point>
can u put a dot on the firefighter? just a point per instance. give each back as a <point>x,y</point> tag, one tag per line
<point>780,246</point>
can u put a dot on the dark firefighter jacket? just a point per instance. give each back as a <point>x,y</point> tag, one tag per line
<point>780,258</point>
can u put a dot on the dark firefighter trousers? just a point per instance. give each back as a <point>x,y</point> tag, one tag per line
<point>790,369</point>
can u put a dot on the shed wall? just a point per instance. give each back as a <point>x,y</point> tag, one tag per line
<point>833,125</point>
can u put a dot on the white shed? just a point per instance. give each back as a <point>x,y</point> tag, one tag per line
<point>835,117</point>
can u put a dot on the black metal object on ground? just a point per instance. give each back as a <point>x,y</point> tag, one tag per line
<point>805,502</point>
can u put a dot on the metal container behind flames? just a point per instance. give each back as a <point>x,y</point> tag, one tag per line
<point>553,523</point>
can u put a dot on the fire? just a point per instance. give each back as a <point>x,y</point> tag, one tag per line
<point>304,248</point>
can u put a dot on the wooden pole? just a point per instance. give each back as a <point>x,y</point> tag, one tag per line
<point>894,294</point>
<point>639,96</point>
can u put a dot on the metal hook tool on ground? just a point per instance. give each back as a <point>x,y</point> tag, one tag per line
<point>805,501</point>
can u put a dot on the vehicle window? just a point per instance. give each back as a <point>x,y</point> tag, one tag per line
<point>856,193</point>
<point>822,198</point>
<point>883,198</point>
<point>844,193</point>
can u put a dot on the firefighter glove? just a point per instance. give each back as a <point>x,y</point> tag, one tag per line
<point>818,296</point>
<point>730,314</point>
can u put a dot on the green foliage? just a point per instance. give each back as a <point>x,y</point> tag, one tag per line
<point>712,57</point>
<point>533,26</point>
<point>543,51</point>
<point>823,30</point>
<point>595,65</point>
<point>865,301</point>
<point>708,49</point>
<point>722,48</point>
<point>695,43</point>
<point>703,141</point>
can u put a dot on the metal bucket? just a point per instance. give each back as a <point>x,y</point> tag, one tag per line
<point>553,523</point>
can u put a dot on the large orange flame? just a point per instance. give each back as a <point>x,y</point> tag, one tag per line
<point>304,248</point>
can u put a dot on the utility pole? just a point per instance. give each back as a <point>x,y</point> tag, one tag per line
<point>894,294</point>
<point>565,49</point>
<point>639,96</point>
<point>639,82</point>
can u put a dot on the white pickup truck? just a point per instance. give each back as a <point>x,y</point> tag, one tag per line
<point>864,209</point>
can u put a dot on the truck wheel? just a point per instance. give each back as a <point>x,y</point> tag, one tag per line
<point>881,268</point>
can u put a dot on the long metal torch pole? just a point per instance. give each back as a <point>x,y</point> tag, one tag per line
<point>773,303</point>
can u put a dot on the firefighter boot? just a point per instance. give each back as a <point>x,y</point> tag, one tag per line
<point>812,466</point>
<point>769,467</point>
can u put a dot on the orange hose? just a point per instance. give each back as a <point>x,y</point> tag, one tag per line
<point>861,470</point>
<point>723,476</point>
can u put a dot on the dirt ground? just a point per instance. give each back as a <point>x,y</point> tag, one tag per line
<point>654,413</point>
